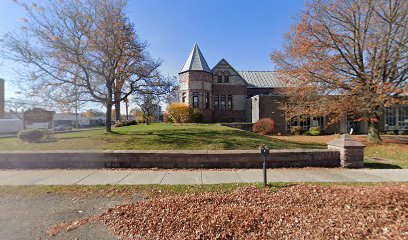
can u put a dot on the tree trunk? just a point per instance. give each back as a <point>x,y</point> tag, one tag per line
<point>117,111</point>
<point>127,111</point>
<point>374,132</point>
<point>76,116</point>
<point>108,118</point>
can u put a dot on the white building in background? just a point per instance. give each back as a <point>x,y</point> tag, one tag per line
<point>11,126</point>
<point>157,112</point>
<point>69,119</point>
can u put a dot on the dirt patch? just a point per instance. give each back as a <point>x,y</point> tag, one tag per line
<point>295,212</point>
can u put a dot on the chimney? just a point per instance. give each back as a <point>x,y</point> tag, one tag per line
<point>2,113</point>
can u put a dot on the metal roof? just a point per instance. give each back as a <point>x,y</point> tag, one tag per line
<point>262,79</point>
<point>195,61</point>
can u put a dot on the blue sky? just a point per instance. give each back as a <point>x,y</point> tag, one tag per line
<point>243,32</point>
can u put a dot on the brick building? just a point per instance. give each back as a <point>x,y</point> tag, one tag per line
<point>223,94</point>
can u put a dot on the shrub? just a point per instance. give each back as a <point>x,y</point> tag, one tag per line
<point>179,112</point>
<point>264,126</point>
<point>314,131</point>
<point>296,130</point>
<point>308,133</point>
<point>126,123</point>
<point>167,118</point>
<point>31,135</point>
<point>197,117</point>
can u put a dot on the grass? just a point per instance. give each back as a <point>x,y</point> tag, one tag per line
<point>158,136</point>
<point>392,153</point>
<point>148,190</point>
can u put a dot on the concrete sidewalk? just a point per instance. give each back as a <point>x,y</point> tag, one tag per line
<point>105,176</point>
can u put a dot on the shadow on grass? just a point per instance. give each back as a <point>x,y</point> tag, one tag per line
<point>66,138</point>
<point>378,165</point>
<point>194,138</point>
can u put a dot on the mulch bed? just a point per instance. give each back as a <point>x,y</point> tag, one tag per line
<point>295,212</point>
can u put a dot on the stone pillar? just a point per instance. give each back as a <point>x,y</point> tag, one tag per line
<point>351,151</point>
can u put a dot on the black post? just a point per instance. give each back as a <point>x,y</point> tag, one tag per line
<point>264,172</point>
<point>264,154</point>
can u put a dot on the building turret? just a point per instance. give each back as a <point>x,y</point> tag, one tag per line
<point>196,83</point>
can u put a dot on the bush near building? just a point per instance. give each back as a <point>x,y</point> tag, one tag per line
<point>126,123</point>
<point>31,135</point>
<point>167,118</point>
<point>264,126</point>
<point>295,130</point>
<point>182,113</point>
<point>314,131</point>
<point>197,117</point>
<point>179,112</point>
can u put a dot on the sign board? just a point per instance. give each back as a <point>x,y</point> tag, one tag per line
<point>38,117</point>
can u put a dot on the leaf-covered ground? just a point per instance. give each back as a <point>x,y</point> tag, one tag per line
<point>294,212</point>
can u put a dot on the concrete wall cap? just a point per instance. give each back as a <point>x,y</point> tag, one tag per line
<point>345,141</point>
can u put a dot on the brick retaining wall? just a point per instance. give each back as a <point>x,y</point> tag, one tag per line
<point>167,159</point>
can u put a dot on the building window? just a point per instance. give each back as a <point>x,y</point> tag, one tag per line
<point>226,78</point>
<point>391,118</point>
<point>207,100</point>
<point>229,103</point>
<point>396,118</point>
<point>223,102</point>
<point>219,78</point>
<point>183,97</point>
<point>305,123</point>
<point>196,100</point>
<point>216,102</point>
<point>403,117</point>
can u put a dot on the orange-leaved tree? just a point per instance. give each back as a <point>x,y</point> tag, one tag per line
<point>347,57</point>
<point>179,112</point>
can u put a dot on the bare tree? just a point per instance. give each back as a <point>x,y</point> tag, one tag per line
<point>149,105</point>
<point>347,56</point>
<point>88,44</point>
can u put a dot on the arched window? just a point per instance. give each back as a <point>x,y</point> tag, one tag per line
<point>226,77</point>
<point>196,100</point>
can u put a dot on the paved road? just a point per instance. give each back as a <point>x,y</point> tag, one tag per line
<point>105,176</point>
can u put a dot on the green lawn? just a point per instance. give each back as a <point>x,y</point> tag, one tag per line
<point>391,153</point>
<point>158,136</point>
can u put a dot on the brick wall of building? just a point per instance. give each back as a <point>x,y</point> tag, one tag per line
<point>229,116</point>
<point>201,83</point>
<point>235,87</point>
<point>269,108</point>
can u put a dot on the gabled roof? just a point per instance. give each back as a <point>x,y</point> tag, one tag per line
<point>195,61</point>
<point>262,79</point>
<point>223,61</point>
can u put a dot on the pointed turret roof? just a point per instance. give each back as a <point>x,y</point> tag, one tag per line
<point>195,61</point>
